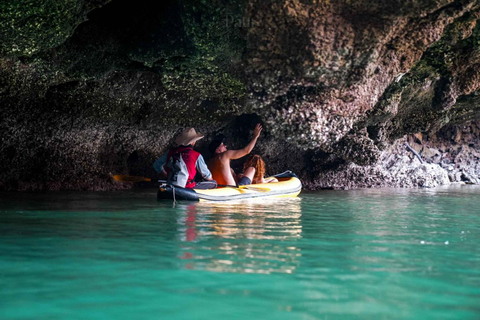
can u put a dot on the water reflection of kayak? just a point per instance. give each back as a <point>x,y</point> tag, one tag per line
<point>288,185</point>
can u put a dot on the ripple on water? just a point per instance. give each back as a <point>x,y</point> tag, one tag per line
<point>393,254</point>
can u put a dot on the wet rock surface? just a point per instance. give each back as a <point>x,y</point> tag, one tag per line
<point>89,88</point>
<point>396,167</point>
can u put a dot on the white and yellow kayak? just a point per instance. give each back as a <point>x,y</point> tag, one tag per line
<point>288,185</point>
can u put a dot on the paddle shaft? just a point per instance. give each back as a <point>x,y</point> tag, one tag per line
<point>128,178</point>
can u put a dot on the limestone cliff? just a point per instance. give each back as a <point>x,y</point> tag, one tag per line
<point>92,87</point>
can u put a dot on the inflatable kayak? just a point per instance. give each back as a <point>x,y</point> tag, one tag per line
<point>288,185</point>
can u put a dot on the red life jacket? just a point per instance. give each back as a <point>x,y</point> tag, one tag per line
<point>185,157</point>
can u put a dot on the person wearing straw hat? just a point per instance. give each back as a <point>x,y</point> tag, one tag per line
<point>181,163</point>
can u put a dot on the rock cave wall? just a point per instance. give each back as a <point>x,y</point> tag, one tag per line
<point>92,87</point>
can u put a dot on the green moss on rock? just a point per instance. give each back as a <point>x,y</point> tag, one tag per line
<point>29,26</point>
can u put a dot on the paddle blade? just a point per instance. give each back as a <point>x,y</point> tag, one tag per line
<point>127,178</point>
<point>248,187</point>
<point>257,189</point>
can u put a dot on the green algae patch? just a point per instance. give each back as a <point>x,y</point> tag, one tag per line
<point>29,26</point>
<point>209,73</point>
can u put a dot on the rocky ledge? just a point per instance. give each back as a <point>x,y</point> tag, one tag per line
<point>94,87</point>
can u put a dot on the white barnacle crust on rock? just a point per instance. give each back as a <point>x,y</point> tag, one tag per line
<point>89,87</point>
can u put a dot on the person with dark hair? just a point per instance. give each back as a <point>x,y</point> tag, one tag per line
<point>180,164</point>
<point>219,164</point>
<point>256,164</point>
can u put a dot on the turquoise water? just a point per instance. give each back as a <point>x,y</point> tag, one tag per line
<point>364,254</point>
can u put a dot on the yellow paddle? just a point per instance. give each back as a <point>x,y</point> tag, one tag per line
<point>258,189</point>
<point>127,178</point>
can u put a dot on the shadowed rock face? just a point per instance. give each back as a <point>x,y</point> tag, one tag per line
<point>93,87</point>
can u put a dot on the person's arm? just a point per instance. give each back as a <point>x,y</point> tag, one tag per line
<point>236,154</point>
<point>159,164</point>
<point>203,169</point>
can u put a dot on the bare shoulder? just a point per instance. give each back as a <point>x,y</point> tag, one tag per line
<point>221,157</point>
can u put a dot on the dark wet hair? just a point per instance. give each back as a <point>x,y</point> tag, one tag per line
<point>216,142</point>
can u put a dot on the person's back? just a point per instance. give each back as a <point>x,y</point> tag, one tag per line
<point>219,166</point>
<point>256,164</point>
<point>180,164</point>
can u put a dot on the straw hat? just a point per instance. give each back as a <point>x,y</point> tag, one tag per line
<point>188,136</point>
